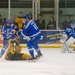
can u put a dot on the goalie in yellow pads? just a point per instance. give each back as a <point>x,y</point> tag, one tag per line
<point>14,50</point>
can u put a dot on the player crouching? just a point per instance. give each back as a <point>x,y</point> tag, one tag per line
<point>14,51</point>
<point>68,38</point>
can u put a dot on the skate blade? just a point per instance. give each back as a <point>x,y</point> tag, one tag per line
<point>32,60</point>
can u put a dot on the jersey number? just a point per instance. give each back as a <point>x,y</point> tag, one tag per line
<point>35,26</point>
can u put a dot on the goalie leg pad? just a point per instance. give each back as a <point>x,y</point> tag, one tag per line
<point>63,38</point>
<point>70,41</point>
<point>67,44</point>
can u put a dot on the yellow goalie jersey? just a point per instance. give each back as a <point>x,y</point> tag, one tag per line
<point>14,51</point>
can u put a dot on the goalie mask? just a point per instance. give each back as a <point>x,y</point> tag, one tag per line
<point>73,24</point>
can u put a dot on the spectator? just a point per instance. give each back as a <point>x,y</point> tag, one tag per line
<point>15,26</point>
<point>66,22</point>
<point>51,24</point>
<point>4,19</point>
<point>19,20</point>
<point>1,21</point>
<point>40,22</point>
<point>31,16</point>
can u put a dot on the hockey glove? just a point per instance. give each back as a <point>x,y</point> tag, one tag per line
<point>26,38</point>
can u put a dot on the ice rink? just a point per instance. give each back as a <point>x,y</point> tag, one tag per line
<point>53,62</point>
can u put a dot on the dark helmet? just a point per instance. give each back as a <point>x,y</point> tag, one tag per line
<point>18,40</point>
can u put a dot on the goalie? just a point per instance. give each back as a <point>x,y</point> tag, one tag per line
<point>68,38</point>
<point>14,51</point>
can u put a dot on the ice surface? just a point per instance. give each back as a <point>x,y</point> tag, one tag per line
<point>53,62</point>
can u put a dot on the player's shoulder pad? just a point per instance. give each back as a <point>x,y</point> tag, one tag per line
<point>12,25</point>
<point>28,24</point>
<point>32,22</point>
<point>68,28</point>
<point>4,28</point>
<point>10,41</point>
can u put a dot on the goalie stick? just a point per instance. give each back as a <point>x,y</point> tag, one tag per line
<point>67,47</point>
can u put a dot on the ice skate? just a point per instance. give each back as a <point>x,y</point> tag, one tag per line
<point>38,55</point>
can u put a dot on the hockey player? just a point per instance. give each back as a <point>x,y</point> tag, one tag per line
<point>14,50</point>
<point>68,37</point>
<point>34,34</point>
<point>6,34</point>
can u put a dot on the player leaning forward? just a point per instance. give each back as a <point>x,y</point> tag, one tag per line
<point>7,34</point>
<point>30,29</point>
<point>68,37</point>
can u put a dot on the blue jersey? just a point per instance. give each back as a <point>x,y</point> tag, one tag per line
<point>31,29</point>
<point>70,32</point>
<point>7,32</point>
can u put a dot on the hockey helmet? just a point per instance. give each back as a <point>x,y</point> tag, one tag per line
<point>8,21</point>
<point>26,16</point>
<point>73,23</point>
<point>18,40</point>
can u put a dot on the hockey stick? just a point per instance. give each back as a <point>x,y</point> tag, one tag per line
<point>60,31</point>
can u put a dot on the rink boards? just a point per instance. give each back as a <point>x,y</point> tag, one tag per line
<point>44,46</point>
<point>49,46</point>
<point>50,39</point>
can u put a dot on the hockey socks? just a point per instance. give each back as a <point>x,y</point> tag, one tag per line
<point>31,52</point>
<point>2,52</point>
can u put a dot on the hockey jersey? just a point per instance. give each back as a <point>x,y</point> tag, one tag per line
<point>7,32</point>
<point>70,32</point>
<point>14,52</point>
<point>30,28</point>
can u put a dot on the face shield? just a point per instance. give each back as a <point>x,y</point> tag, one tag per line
<point>25,18</point>
<point>8,23</point>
